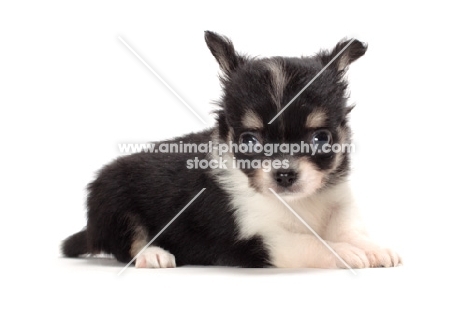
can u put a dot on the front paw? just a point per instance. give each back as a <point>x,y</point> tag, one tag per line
<point>382,257</point>
<point>352,256</point>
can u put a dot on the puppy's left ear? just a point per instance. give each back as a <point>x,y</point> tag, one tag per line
<point>223,50</point>
<point>346,52</point>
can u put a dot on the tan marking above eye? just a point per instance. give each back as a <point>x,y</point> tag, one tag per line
<point>251,120</point>
<point>316,119</point>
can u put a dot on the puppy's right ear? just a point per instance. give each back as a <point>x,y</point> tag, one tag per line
<point>223,50</point>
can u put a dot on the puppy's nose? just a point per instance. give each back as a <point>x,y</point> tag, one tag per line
<point>285,178</point>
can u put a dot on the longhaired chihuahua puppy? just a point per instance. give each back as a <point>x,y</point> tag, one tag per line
<point>242,218</point>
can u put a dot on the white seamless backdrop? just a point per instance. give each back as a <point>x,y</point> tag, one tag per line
<point>71,92</point>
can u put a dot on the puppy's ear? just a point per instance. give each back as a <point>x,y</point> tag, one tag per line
<point>223,50</point>
<point>346,52</point>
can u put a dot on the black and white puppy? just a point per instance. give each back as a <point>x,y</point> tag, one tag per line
<point>238,220</point>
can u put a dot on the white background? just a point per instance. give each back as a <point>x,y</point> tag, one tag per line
<point>70,91</point>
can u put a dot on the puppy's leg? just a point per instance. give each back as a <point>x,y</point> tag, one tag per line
<point>345,226</point>
<point>152,256</point>
<point>376,255</point>
<point>295,250</point>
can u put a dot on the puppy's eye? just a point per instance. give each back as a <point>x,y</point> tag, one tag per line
<point>250,140</point>
<point>321,138</point>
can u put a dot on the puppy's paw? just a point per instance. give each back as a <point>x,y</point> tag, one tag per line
<point>155,257</point>
<point>354,257</point>
<point>382,257</point>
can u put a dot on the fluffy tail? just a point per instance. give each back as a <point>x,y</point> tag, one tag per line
<point>75,245</point>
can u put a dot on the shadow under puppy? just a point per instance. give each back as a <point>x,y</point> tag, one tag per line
<point>238,220</point>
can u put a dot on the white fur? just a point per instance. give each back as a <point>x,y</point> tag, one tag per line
<point>330,212</point>
<point>155,257</point>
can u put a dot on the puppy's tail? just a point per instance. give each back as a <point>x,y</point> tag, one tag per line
<point>75,244</point>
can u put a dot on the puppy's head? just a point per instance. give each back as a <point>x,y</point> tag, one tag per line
<point>265,102</point>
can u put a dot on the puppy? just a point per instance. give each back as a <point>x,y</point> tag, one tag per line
<point>242,217</point>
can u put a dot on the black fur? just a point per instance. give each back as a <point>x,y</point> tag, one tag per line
<point>148,189</point>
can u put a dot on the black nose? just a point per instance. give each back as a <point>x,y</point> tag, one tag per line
<point>285,178</point>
